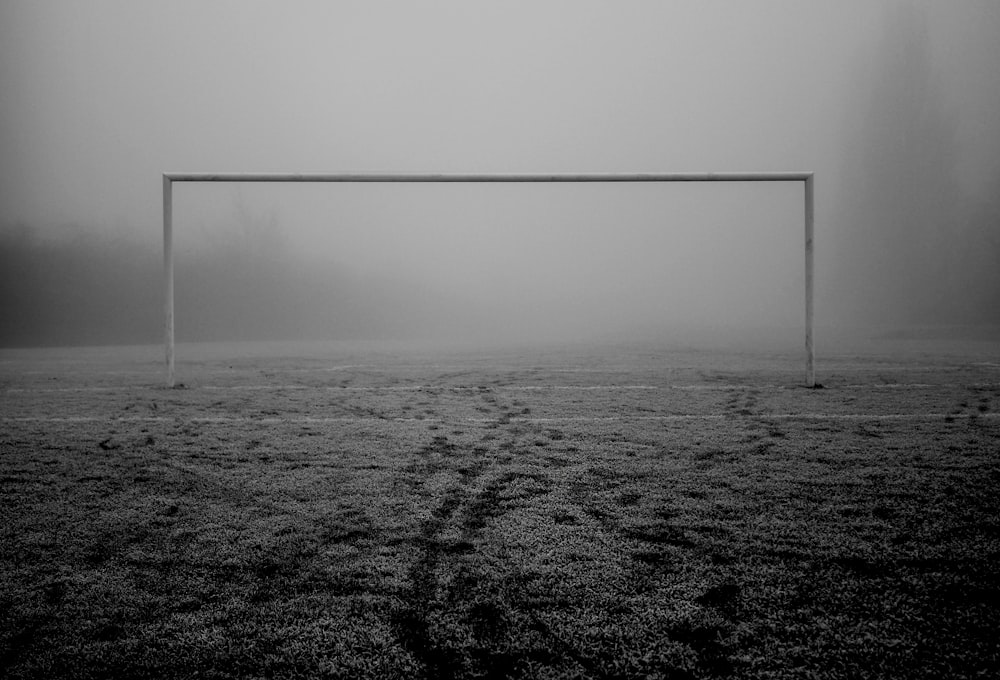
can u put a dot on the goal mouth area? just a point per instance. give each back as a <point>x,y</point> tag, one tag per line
<point>168,178</point>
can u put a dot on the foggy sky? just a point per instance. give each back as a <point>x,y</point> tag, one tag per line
<point>101,97</point>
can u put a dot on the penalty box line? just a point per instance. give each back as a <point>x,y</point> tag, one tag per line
<point>683,417</point>
<point>727,387</point>
<point>360,388</point>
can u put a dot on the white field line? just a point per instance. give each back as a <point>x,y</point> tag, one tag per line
<point>499,388</point>
<point>366,388</point>
<point>554,419</point>
<point>48,390</point>
<point>97,372</point>
<point>421,388</point>
<point>326,369</point>
<point>830,367</point>
<point>94,372</point>
<point>915,386</point>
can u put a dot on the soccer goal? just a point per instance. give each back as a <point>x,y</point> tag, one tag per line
<point>807,179</point>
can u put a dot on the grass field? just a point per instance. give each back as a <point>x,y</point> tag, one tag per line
<point>627,512</point>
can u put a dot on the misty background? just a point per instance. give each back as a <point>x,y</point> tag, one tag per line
<point>893,105</point>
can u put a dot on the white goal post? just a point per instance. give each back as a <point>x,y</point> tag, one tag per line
<point>807,178</point>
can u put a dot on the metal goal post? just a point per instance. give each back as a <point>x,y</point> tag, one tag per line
<point>807,179</point>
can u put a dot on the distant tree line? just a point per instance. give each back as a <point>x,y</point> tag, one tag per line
<point>913,247</point>
<point>93,289</point>
<point>79,290</point>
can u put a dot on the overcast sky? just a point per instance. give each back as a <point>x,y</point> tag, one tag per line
<point>100,97</point>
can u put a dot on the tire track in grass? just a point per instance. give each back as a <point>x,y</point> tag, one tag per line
<point>492,502</point>
<point>520,594</point>
<point>426,600</point>
<point>412,623</point>
<point>657,545</point>
<point>506,492</point>
<point>480,638</point>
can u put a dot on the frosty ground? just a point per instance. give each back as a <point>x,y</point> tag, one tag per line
<point>570,512</point>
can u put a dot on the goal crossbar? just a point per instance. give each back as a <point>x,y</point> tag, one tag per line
<point>558,177</point>
<point>807,178</point>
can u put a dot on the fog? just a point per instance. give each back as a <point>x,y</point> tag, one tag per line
<point>891,104</point>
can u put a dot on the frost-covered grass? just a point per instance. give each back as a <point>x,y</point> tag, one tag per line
<point>413,519</point>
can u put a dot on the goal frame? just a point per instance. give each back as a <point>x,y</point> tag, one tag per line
<point>807,179</point>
